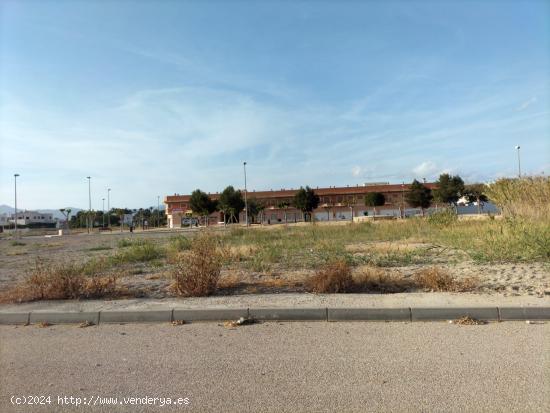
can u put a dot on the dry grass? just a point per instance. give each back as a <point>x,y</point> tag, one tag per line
<point>197,271</point>
<point>229,281</point>
<point>436,279</point>
<point>375,279</point>
<point>60,281</point>
<point>526,197</point>
<point>334,277</point>
<point>385,247</point>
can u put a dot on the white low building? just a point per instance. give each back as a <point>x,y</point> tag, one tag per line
<point>33,218</point>
<point>4,220</point>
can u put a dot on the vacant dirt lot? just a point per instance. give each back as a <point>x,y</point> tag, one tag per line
<point>275,259</point>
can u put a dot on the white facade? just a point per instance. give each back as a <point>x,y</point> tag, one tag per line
<point>33,217</point>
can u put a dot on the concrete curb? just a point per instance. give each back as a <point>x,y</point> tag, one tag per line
<point>135,316</point>
<point>524,313</point>
<point>289,314</point>
<point>15,318</point>
<point>369,314</point>
<point>451,313</point>
<point>210,315</point>
<point>63,318</point>
<point>279,314</point>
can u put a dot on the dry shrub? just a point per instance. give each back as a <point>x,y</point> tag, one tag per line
<point>229,281</point>
<point>60,281</point>
<point>99,287</point>
<point>374,279</point>
<point>51,281</point>
<point>334,277</point>
<point>197,271</point>
<point>436,279</point>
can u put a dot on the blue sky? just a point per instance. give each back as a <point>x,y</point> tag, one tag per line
<point>153,98</point>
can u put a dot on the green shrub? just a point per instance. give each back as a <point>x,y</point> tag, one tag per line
<point>179,243</point>
<point>125,242</point>
<point>443,218</point>
<point>142,251</point>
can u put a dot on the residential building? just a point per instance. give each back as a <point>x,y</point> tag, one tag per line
<point>336,204</point>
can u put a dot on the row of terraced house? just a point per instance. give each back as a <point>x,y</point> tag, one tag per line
<point>335,204</point>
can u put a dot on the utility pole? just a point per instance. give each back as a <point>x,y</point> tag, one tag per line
<point>89,202</point>
<point>103,212</point>
<point>15,179</point>
<point>245,200</point>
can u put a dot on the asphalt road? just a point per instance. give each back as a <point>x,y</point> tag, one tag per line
<point>276,367</point>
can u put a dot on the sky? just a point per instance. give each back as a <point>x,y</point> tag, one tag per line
<point>153,98</point>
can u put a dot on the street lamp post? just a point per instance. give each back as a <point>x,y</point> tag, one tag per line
<point>519,161</point>
<point>109,207</point>
<point>89,201</point>
<point>245,197</point>
<point>15,179</point>
<point>103,213</point>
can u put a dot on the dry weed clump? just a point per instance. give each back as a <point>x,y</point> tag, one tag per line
<point>468,321</point>
<point>229,281</point>
<point>374,279</point>
<point>436,279</point>
<point>60,281</point>
<point>334,277</point>
<point>197,271</point>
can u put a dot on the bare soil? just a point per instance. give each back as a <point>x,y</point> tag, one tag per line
<point>153,279</point>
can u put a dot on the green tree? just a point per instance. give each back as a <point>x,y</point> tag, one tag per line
<point>67,214</point>
<point>255,207</point>
<point>201,204</point>
<point>306,200</point>
<point>231,204</point>
<point>449,189</point>
<point>375,199</point>
<point>284,206</point>
<point>476,193</point>
<point>119,212</point>
<point>419,196</point>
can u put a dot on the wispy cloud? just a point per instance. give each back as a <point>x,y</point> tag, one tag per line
<point>527,103</point>
<point>178,138</point>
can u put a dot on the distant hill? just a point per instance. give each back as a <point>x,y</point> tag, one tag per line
<point>6,209</point>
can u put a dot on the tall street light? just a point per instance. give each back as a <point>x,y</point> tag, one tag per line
<point>15,179</point>
<point>158,211</point>
<point>109,207</point>
<point>245,200</point>
<point>103,212</point>
<point>519,161</point>
<point>89,201</point>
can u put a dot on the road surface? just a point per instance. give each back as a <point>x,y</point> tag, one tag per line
<point>278,367</point>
